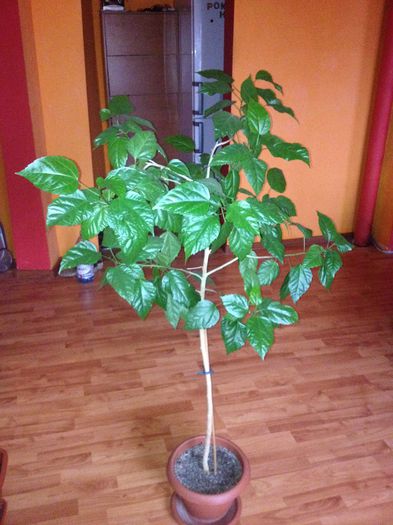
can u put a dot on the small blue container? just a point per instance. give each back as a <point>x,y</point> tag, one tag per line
<point>85,273</point>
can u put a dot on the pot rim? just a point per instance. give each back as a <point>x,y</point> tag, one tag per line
<point>190,495</point>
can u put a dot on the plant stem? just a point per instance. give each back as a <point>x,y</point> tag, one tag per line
<point>208,376</point>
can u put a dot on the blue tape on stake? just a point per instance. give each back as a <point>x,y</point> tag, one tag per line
<point>203,373</point>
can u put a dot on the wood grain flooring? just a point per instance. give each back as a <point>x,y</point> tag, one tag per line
<point>92,400</point>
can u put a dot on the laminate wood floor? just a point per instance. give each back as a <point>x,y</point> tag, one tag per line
<point>92,400</point>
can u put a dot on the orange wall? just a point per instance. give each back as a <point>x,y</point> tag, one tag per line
<point>57,90</point>
<point>326,65</point>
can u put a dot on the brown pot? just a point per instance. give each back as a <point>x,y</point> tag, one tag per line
<point>3,466</point>
<point>192,508</point>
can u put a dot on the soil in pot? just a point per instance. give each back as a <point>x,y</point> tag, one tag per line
<point>189,470</point>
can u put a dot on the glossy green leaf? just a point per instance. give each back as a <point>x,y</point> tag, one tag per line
<point>274,246</point>
<point>120,105</point>
<point>271,100</point>
<point>235,155</point>
<point>299,281</point>
<point>85,252</point>
<point>222,238</point>
<point>70,209</point>
<point>248,271</point>
<point>306,232</point>
<point>260,334</point>
<point>242,214</point>
<point>143,145</point>
<point>142,122</point>
<point>217,87</point>
<point>129,283</point>
<point>268,272</point>
<point>257,117</point>
<point>231,184</point>
<point>276,180</point>
<point>118,151</point>
<point>265,75</point>
<point>202,316</point>
<point>342,244</point>
<point>226,124</point>
<point>168,220</point>
<point>95,222</point>
<point>151,249</point>
<point>106,136</point>
<point>199,232</point>
<point>286,150</point>
<point>174,311</point>
<point>175,283</point>
<point>255,170</point>
<point>241,241</point>
<point>236,305</point>
<point>286,205</point>
<point>234,334</point>
<point>214,186</point>
<point>222,104</point>
<point>170,248</point>
<point>313,257</point>
<point>331,234</point>
<point>53,174</point>
<point>248,91</point>
<point>181,143</point>
<point>331,264</point>
<point>189,198</point>
<point>277,313</point>
<point>216,74</point>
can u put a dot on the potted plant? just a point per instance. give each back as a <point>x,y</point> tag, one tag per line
<point>155,213</point>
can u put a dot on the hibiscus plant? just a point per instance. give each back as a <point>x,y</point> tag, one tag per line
<point>154,213</point>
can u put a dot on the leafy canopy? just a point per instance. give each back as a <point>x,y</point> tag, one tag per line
<point>151,210</point>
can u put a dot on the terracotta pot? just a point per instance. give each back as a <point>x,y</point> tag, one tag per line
<point>192,508</point>
<point>3,466</point>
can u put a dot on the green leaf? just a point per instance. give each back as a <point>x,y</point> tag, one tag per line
<point>216,74</point>
<point>214,186</point>
<point>236,305</point>
<point>181,143</point>
<point>218,87</point>
<point>313,257</point>
<point>286,150</point>
<point>105,114</point>
<point>143,145</point>
<point>235,155</point>
<point>202,316</point>
<point>95,222</point>
<point>85,252</point>
<point>217,107</point>
<point>284,289</point>
<point>222,238</point>
<point>151,249</point>
<point>53,174</point>
<point>234,334</point>
<point>129,283</point>
<point>175,283</point>
<point>243,215</point>
<point>307,233</point>
<point>142,122</point>
<point>271,100</point>
<point>176,169</point>
<point>109,239</point>
<point>274,246</point>
<point>174,311</point>
<point>118,151</point>
<point>265,75</point>
<point>231,184</point>
<point>170,248</point>
<point>248,91</point>
<point>286,205</point>
<point>105,136</point>
<point>69,210</point>
<point>248,271</point>
<point>199,232</point>
<point>331,264</point>
<point>189,198</point>
<point>257,117</point>
<point>240,242</point>
<point>260,334</point>
<point>255,170</point>
<point>277,313</point>
<point>168,220</point>
<point>276,179</point>
<point>120,105</point>
<point>268,212</point>
<point>268,272</point>
<point>226,124</point>
<point>299,281</point>
<point>330,233</point>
